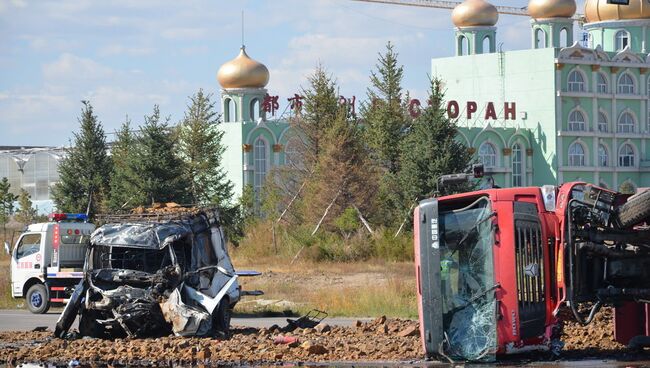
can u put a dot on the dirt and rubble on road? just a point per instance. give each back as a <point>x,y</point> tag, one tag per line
<point>380,340</point>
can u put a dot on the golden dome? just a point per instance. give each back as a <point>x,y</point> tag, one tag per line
<point>599,10</point>
<point>473,13</point>
<point>243,72</point>
<point>541,9</point>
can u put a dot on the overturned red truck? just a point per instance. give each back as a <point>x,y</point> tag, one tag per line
<point>495,267</point>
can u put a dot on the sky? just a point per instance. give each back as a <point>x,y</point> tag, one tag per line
<point>126,56</point>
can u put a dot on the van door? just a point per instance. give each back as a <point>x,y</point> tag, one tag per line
<point>26,261</point>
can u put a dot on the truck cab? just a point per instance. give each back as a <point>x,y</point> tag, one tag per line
<point>47,260</point>
<point>494,267</point>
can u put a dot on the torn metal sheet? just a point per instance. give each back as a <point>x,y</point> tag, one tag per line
<point>185,320</point>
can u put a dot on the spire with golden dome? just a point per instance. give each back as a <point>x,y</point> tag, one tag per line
<point>475,13</point>
<point>475,22</point>
<point>243,72</point>
<point>541,9</point>
<point>600,10</point>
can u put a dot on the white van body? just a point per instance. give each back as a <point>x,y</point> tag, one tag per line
<point>47,261</point>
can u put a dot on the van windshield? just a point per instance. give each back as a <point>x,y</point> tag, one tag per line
<point>467,282</point>
<point>129,258</point>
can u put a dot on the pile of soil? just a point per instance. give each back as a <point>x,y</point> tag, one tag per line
<point>164,208</point>
<point>379,340</point>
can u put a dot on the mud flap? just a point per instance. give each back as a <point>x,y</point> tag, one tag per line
<point>69,314</point>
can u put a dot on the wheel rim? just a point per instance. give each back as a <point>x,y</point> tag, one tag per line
<point>36,300</point>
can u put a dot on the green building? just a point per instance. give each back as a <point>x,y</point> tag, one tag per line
<point>559,111</point>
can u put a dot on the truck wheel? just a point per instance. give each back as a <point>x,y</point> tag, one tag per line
<point>634,211</point>
<point>221,319</point>
<point>38,300</point>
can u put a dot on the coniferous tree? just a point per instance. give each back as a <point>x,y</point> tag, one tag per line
<point>386,121</point>
<point>85,170</point>
<point>123,186</point>
<point>7,200</point>
<point>385,113</point>
<point>430,150</point>
<point>201,150</point>
<point>26,213</point>
<point>159,171</point>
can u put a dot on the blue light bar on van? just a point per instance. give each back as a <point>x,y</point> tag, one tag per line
<point>76,216</point>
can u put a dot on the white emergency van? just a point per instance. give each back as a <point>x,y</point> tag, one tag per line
<point>47,260</point>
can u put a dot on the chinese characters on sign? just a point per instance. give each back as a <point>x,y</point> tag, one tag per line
<point>270,104</point>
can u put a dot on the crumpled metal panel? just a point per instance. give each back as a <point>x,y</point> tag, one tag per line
<point>184,319</point>
<point>152,236</point>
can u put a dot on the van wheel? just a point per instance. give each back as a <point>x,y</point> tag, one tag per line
<point>634,211</point>
<point>38,299</point>
<point>221,319</point>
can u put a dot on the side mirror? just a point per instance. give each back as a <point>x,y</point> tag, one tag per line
<point>7,248</point>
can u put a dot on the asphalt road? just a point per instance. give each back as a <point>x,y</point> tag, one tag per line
<point>22,320</point>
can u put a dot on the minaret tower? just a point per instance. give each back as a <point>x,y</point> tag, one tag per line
<point>242,80</point>
<point>552,23</point>
<point>475,22</point>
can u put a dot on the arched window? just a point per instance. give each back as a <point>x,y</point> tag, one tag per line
<point>486,45</point>
<point>626,84</point>
<point>622,39</point>
<point>626,123</point>
<point>576,82</point>
<point>576,121</point>
<point>230,110</point>
<point>576,154</point>
<point>603,126</point>
<point>259,158</point>
<point>540,38</point>
<point>603,156</point>
<point>564,38</point>
<point>626,156</point>
<point>255,109</point>
<point>293,152</point>
<point>601,84</point>
<point>517,166</point>
<point>487,154</point>
<point>463,45</point>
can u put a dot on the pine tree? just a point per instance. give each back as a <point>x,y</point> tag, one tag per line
<point>430,150</point>
<point>201,150</point>
<point>158,169</point>
<point>385,113</point>
<point>386,122</point>
<point>123,186</point>
<point>26,214</point>
<point>7,200</point>
<point>85,170</point>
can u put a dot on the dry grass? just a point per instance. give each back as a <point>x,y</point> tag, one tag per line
<point>362,289</point>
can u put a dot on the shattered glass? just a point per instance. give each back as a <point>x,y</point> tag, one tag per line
<point>139,235</point>
<point>466,265</point>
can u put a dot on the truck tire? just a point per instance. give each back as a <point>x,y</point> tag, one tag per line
<point>38,299</point>
<point>634,211</point>
<point>221,319</point>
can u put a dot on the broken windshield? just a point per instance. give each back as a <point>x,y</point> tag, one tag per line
<point>467,280</point>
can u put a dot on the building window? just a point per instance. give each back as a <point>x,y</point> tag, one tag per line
<point>576,121</point>
<point>626,84</point>
<point>622,40</point>
<point>603,156</point>
<point>259,157</point>
<point>540,38</point>
<point>601,83</point>
<point>463,46</point>
<point>626,123</point>
<point>576,155</point>
<point>487,41</point>
<point>255,109</point>
<point>576,82</point>
<point>602,123</point>
<point>292,153</point>
<point>487,154</point>
<point>626,156</point>
<point>517,166</point>
<point>230,110</point>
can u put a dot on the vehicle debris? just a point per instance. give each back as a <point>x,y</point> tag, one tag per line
<point>150,275</point>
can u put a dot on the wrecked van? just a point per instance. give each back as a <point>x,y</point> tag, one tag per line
<point>150,275</point>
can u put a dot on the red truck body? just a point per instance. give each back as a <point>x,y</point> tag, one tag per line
<point>495,267</point>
